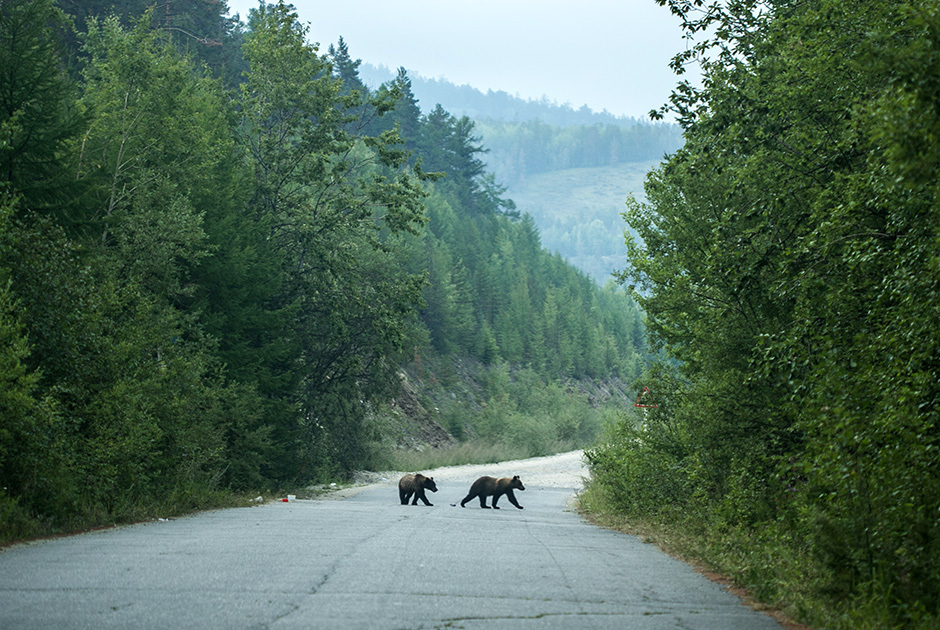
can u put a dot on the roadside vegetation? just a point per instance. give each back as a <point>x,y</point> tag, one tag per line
<point>499,413</point>
<point>786,259</point>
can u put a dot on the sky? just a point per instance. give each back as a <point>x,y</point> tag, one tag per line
<point>606,54</point>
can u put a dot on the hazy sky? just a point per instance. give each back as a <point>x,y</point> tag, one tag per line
<point>606,54</point>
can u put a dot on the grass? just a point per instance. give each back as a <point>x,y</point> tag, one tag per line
<point>566,195</point>
<point>723,558</point>
<point>17,525</point>
<point>768,568</point>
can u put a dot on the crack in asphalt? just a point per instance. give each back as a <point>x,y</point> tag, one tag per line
<point>561,570</point>
<point>450,621</point>
<point>330,571</point>
<point>284,615</point>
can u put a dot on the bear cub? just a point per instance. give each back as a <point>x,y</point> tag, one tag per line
<point>416,485</point>
<point>492,487</point>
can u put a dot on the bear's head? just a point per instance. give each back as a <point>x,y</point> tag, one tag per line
<point>517,483</point>
<point>429,484</point>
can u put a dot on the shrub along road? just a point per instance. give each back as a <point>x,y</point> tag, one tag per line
<point>364,561</point>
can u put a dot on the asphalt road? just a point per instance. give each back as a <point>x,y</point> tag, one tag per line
<point>364,561</point>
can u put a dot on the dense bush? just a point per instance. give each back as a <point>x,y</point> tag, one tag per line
<point>787,263</point>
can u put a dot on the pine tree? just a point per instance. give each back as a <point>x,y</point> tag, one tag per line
<point>37,117</point>
<point>407,115</point>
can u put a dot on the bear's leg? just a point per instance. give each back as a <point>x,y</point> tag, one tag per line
<point>420,494</point>
<point>404,496</point>
<point>469,497</point>
<point>512,499</point>
<point>483,502</point>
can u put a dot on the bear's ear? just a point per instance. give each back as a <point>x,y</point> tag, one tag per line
<point>516,477</point>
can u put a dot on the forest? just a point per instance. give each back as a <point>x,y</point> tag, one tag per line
<point>527,137</point>
<point>222,256</point>
<point>572,170</point>
<point>521,149</point>
<point>466,100</point>
<point>787,261</point>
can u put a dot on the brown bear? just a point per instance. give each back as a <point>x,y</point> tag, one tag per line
<point>415,484</point>
<point>490,486</point>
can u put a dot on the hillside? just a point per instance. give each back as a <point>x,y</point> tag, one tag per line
<point>466,100</point>
<point>222,296</point>
<point>572,170</point>
<point>578,212</point>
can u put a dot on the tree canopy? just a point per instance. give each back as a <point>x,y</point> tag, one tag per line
<point>786,260</point>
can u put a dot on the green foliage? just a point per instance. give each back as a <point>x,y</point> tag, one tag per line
<point>500,412</point>
<point>37,113</point>
<point>495,294</point>
<point>199,29</point>
<point>329,203</point>
<point>522,410</point>
<point>31,464</point>
<point>207,285</point>
<point>786,259</point>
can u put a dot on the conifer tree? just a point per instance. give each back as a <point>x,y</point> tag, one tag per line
<point>37,117</point>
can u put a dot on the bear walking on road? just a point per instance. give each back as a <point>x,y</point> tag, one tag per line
<point>415,484</point>
<point>492,487</point>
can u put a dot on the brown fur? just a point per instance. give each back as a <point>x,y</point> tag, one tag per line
<point>492,487</point>
<point>415,484</point>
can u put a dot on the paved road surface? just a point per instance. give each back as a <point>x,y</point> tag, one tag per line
<point>364,561</point>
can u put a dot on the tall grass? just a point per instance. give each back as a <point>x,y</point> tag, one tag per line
<point>463,453</point>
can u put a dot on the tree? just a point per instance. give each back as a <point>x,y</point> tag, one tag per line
<point>37,117</point>
<point>782,262</point>
<point>407,113</point>
<point>199,29</point>
<point>449,147</point>
<point>362,114</point>
<point>168,186</point>
<point>32,465</point>
<point>346,69</point>
<point>325,199</point>
<point>140,372</point>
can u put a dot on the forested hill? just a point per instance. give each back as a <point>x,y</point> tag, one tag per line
<point>526,137</point>
<point>466,100</point>
<point>213,280</point>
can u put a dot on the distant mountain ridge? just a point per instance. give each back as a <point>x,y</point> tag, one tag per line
<point>465,100</point>
<point>570,169</point>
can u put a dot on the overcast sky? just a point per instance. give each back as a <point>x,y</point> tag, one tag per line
<point>606,54</point>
